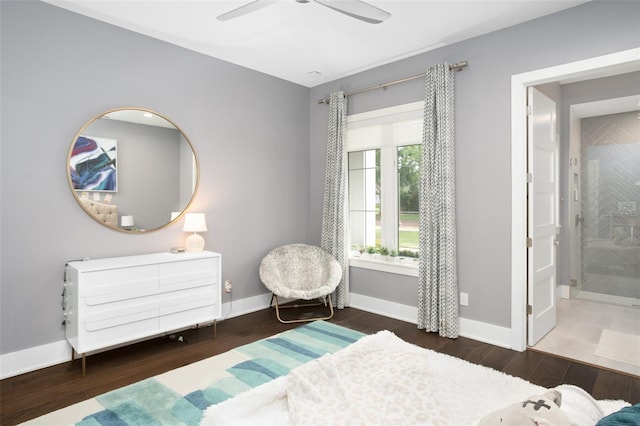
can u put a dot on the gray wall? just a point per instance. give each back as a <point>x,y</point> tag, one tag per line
<point>483,139</point>
<point>250,132</point>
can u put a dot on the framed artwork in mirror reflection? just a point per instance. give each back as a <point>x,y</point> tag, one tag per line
<point>93,165</point>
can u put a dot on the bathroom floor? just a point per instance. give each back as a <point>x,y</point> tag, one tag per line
<point>585,330</point>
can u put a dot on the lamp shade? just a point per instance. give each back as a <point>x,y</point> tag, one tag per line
<point>126,221</point>
<point>195,222</point>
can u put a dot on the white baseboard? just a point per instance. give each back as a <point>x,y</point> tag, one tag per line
<point>236,308</point>
<point>384,307</point>
<point>31,359</point>
<point>476,330</point>
<point>564,291</point>
<point>608,298</point>
<point>487,333</point>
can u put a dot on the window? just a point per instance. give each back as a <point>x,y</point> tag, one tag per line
<point>408,160</point>
<point>384,149</point>
<point>364,198</point>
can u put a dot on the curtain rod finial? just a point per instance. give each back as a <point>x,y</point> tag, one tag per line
<point>458,66</point>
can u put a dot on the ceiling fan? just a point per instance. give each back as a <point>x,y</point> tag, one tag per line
<point>355,8</point>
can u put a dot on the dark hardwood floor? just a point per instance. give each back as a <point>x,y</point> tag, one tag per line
<point>32,394</point>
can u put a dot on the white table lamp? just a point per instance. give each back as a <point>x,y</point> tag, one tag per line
<point>194,222</point>
<point>126,222</point>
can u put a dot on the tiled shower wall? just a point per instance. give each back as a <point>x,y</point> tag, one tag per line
<point>611,204</point>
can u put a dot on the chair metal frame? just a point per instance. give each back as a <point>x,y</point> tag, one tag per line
<point>298,305</point>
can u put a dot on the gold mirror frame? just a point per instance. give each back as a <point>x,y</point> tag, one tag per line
<point>103,212</point>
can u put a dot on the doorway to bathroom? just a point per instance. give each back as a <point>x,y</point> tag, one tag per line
<point>604,207</point>
<point>580,323</point>
<point>598,315</point>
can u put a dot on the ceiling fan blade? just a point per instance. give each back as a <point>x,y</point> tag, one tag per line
<point>244,9</point>
<point>357,9</point>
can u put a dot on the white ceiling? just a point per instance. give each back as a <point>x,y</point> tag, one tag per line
<point>139,116</point>
<point>607,106</point>
<point>310,44</point>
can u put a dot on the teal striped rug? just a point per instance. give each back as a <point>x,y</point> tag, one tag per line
<point>158,401</point>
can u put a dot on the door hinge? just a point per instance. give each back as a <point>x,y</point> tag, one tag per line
<point>529,110</point>
<point>529,310</point>
<point>529,177</point>
<point>529,242</point>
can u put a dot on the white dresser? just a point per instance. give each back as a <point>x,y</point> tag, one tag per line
<point>112,301</point>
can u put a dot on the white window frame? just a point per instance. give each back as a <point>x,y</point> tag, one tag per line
<point>388,143</point>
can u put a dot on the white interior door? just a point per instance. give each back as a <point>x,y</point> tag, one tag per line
<point>541,215</point>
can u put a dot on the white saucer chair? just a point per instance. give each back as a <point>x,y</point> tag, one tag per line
<point>300,271</point>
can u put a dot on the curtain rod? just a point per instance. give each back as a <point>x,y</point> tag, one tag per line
<point>453,67</point>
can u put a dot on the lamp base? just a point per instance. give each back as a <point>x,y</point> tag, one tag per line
<point>194,243</point>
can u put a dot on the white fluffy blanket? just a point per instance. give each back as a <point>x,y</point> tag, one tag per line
<point>359,385</point>
<point>383,380</point>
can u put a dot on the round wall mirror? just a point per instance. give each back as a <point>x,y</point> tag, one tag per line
<point>132,169</point>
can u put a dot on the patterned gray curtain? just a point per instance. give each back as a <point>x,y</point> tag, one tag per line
<point>438,277</point>
<point>334,224</point>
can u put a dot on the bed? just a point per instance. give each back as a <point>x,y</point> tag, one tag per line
<point>382,379</point>
<point>102,212</point>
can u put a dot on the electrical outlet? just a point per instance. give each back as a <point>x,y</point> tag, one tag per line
<point>227,286</point>
<point>464,299</point>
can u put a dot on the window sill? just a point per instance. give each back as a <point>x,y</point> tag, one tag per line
<point>408,267</point>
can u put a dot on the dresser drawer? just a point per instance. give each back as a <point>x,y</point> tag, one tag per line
<point>187,318</point>
<point>119,284</point>
<point>187,274</point>
<point>121,317</point>
<point>190,306</point>
<point>116,335</point>
<point>187,299</point>
<point>115,326</point>
<point>102,279</point>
